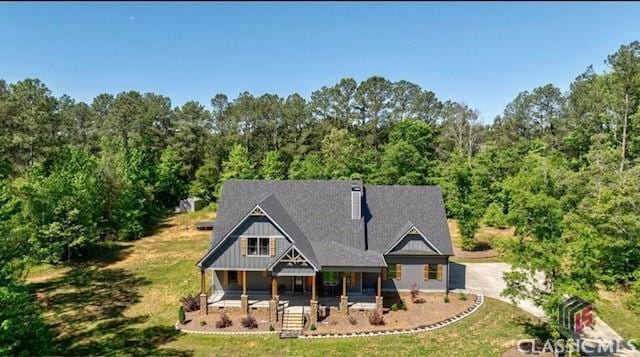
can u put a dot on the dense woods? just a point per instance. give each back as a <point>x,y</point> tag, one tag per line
<point>562,168</point>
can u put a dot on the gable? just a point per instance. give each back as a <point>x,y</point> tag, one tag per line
<point>412,244</point>
<point>228,254</point>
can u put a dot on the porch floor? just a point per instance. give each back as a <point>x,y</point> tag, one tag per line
<point>261,300</point>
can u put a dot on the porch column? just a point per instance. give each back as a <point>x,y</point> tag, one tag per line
<point>203,293</point>
<point>273,304</point>
<point>313,305</point>
<point>344,300</point>
<point>244,299</point>
<point>379,293</point>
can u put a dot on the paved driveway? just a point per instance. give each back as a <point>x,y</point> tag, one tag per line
<point>487,278</point>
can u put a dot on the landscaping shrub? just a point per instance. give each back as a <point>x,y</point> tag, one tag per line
<point>203,323</point>
<point>249,322</point>
<point>376,319</point>
<point>312,327</point>
<point>271,328</point>
<point>402,305</point>
<point>446,299</point>
<point>394,307</point>
<point>462,296</point>
<point>224,321</point>
<point>414,292</point>
<point>181,315</point>
<point>352,320</point>
<point>190,303</point>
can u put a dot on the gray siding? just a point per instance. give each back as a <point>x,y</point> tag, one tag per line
<point>413,272</point>
<point>412,244</point>
<point>228,256</point>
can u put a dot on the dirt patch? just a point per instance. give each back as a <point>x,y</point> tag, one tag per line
<point>433,309</point>
<point>194,321</point>
<point>485,236</point>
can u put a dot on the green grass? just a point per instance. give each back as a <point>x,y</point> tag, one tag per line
<point>127,303</point>
<point>611,309</point>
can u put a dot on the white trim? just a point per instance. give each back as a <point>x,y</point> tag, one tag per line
<point>258,246</point>
<point>250,214</point>
<point>270,267</point>
<point>419,233</point>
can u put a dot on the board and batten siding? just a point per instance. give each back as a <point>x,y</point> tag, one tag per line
<point>229,255</point>
<point>413,272</point>
<point>413,243</point>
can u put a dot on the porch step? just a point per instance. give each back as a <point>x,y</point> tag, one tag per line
<point>292,321</point>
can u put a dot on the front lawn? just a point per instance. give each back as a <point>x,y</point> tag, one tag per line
<point>611,309</point>
<point>125,302</point>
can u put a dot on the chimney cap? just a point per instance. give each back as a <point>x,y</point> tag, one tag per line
<point>355,186</point>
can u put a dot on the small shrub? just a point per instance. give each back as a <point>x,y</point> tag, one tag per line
<point>224,321</point>
<point>462,296</point>
<point>203,323</point>
<point>419,301</point>
<point>446,299</point>
<point>376,319</point>
<point>181,315</point>
<point>415,292</point>
<point>312,327</point>
<point>352,320</point>
<point>190,303</point>
<point>249,322</point>
<point>402,305</point>
<point>271,328</point>
<point>394,307</point>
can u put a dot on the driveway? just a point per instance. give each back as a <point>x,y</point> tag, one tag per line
<point>487,278</point>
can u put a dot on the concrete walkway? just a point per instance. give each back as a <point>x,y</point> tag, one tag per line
<point>487,278</point>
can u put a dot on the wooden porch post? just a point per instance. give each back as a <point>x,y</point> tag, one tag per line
<point>344,284</point>
<point>379,290</point>
<point>244,282</point>
<point>313,287</point>
<point>202,281</point>
<point>274,286</point>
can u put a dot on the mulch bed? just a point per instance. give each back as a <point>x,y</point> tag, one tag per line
<point>194,320</point>
<point>433,309</point>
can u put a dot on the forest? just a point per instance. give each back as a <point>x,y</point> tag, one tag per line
<point>561,167</point>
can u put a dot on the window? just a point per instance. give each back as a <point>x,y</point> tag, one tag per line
<point>433,271</point>
<point>330,278</point>
<point>392,271</point>
<point>258,246</point>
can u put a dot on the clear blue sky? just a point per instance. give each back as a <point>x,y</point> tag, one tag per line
<point>479,53</point>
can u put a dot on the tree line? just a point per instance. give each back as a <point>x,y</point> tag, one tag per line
<point>560,167</point>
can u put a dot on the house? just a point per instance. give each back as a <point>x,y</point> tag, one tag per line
<point>321,240</point>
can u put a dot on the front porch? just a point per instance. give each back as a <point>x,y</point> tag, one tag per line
<point>338,292</point>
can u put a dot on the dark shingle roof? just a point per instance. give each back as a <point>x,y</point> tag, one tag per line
<point>391,207</point>
<point>317,216</point>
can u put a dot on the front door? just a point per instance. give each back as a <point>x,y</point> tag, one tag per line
<point>298,284</point>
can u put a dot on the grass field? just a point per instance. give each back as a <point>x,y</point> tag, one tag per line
<point>610,308</point>
<point>486,237</point>
<point>124,301</point>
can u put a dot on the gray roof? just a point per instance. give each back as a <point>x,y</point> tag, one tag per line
<point>317,216</point>
<point>391,207</point>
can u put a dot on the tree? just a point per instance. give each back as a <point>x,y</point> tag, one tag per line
<point>237,166</point>
<point>494,216</point>
<point>339,151</point>
<point>272,167</point>
<point>624,83</point>
<point>22,331</point>
<point>191,136</point>
<point>61,207</point>
<point>206,181</point>
<point>461,132</point>
<point>402,164</point>
<point>307,168</point>
<point>170,184</point>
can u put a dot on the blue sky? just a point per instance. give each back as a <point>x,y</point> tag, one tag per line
<point>480,53</point>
